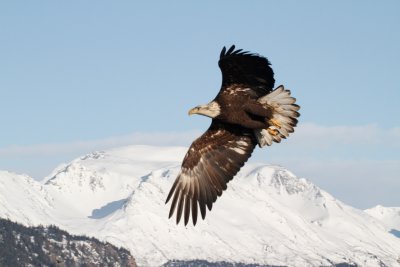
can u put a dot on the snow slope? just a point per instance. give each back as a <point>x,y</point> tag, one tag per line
<point>267,215</point>
<point>24,200</point>
<point>389,216</point>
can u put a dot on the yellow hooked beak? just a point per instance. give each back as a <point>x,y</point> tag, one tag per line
<point>193,111</point>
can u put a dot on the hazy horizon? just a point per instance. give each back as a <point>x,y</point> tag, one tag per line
<point>85,76</point>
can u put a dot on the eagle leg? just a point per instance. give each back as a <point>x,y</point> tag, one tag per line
<point>260,115</point>
<point>258,109</point>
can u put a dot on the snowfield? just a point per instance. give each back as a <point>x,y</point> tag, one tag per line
<point>266,216</point>
<point>390,216</point>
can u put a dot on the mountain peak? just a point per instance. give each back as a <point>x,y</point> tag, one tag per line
<point>94,155</point>
<point>282,180</point>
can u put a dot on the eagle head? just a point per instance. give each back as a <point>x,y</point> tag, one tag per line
<point>211,110</point>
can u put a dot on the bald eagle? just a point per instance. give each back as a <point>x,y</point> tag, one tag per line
<point>246,112</point>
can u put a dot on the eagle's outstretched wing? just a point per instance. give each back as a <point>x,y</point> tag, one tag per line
<point>244,68</point>
<point>210,163</point>
<point>247,77</point>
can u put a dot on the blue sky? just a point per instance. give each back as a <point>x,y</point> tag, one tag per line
<point>78,76</point>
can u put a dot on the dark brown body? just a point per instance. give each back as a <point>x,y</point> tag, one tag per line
<point>241,108</point>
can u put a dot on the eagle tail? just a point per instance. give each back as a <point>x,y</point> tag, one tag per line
<point>284,116</point>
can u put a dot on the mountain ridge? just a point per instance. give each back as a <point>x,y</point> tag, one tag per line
<point>118,196</point>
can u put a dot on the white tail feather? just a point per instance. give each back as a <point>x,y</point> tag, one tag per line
<point>284,113</point>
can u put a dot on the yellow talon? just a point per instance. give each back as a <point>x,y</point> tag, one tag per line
<point>275,123</point>
<point>272,131</point>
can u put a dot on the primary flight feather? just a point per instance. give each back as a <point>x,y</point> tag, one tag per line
<point>246,112</point>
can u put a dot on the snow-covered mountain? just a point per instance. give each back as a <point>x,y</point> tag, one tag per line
<point>267,215</point>
<point>389,216</point>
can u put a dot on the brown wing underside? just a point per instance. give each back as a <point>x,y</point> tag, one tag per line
<point>211,162</point>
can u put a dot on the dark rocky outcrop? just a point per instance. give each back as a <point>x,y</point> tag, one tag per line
<point>50,246</point>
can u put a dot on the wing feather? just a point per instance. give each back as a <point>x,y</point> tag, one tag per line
<point>245,68</point>
<point>180,206</point>
<point>202,206</point>
<point>194,211</point>
<point>174,201</point>
<point>187,208</point>
<point>210,163</point>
